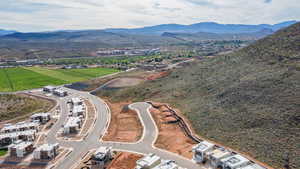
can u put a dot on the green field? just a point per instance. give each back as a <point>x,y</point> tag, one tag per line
<point>21,78</point>
<point>3,152</point>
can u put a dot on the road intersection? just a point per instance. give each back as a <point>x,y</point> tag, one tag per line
<point>93,140</point>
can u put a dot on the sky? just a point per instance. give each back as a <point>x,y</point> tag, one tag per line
<point>48,15</point>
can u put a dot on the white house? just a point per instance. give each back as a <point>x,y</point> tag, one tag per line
<point>46,151</point>
<point>168,164</point>
<point>148,162</point>
<point>49,89</point>
<point>8,138</point>
<point>216,156</point>
<point>72,126</point>
<point>101,157</point>
<point>41,117</point>
<point>78,110</point>
<point>20,126</point>
<point>20,149</point>
<point>60,93</point>
<point>76,101</point>
<point>235,162</point>
<point>200,151</point>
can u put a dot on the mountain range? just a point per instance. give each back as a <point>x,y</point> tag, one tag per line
<point>209,27</point>
<point>6,32</point>
<point>204,27</point>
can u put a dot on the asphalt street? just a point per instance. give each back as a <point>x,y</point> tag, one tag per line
<point>92,141</point>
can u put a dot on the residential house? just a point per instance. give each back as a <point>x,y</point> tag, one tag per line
<point>148,162</point>
<point>200,151</point>
<point>20,149</point>
<point>216,156</point>
<point>60,93</point>
<point>49,89</point>
<point>73,125</point>
<point>101,157</point>
<point>235,162</point>
<point>46,151</point>
<point>41,117</point>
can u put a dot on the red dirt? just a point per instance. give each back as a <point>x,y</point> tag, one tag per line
<point>175,141</point>
<point>157,75</point>
<point>5,166</point>
<point>162,106</point>
<point>124,160</point>
<point>125,125</point>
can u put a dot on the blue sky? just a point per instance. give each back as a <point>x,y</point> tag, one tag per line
<point>47,15</point>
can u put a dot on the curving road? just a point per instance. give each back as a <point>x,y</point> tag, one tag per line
<point>80,148</point>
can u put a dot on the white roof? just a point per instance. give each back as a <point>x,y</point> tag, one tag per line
<point>219,153</point>
<point>73,122</point>
<point>203,146</point>
<point>234,161</point>
<point>76,100</point>
<point>40,115</point>
<point>20,125</point>
<point>46,147</point>
<point>59,91</point>
<point>252,166</point>
<point>20,145</point>
<point>78,109</point>
<point>148,160</point>
<point>168,164</point>
<point>50,87</point>
<point>103,150</point>
<point>17,134</point>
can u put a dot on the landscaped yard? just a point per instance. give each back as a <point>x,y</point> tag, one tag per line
<point>21,78</point>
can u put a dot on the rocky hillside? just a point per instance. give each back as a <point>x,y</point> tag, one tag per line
<point>248,100</point>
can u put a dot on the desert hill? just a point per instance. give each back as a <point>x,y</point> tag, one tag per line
<point>248,100</point>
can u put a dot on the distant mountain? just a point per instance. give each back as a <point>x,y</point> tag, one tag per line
<point>96,36</point>
<point>123,39</point>
<point>200,36</point>
<point>209,27</point>
<point>6,32</point>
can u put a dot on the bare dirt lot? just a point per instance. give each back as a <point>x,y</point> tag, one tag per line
<point>124,160</point>
<point>124,82</point>
<point>125,125</point>
<point>175,141</point>
<point>133,81</point>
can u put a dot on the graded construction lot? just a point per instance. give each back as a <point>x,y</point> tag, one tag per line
<point>124,160</point>
<point>23,78</point>
<point>125,125</point>
<point>175,141</point>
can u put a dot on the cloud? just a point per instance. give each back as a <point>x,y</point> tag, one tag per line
<point>268,1</point>
<point>44,15</point>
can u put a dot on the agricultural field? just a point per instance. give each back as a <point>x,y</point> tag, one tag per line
<point>23,78</point>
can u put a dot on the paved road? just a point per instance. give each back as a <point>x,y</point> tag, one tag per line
<point>80,148</point>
